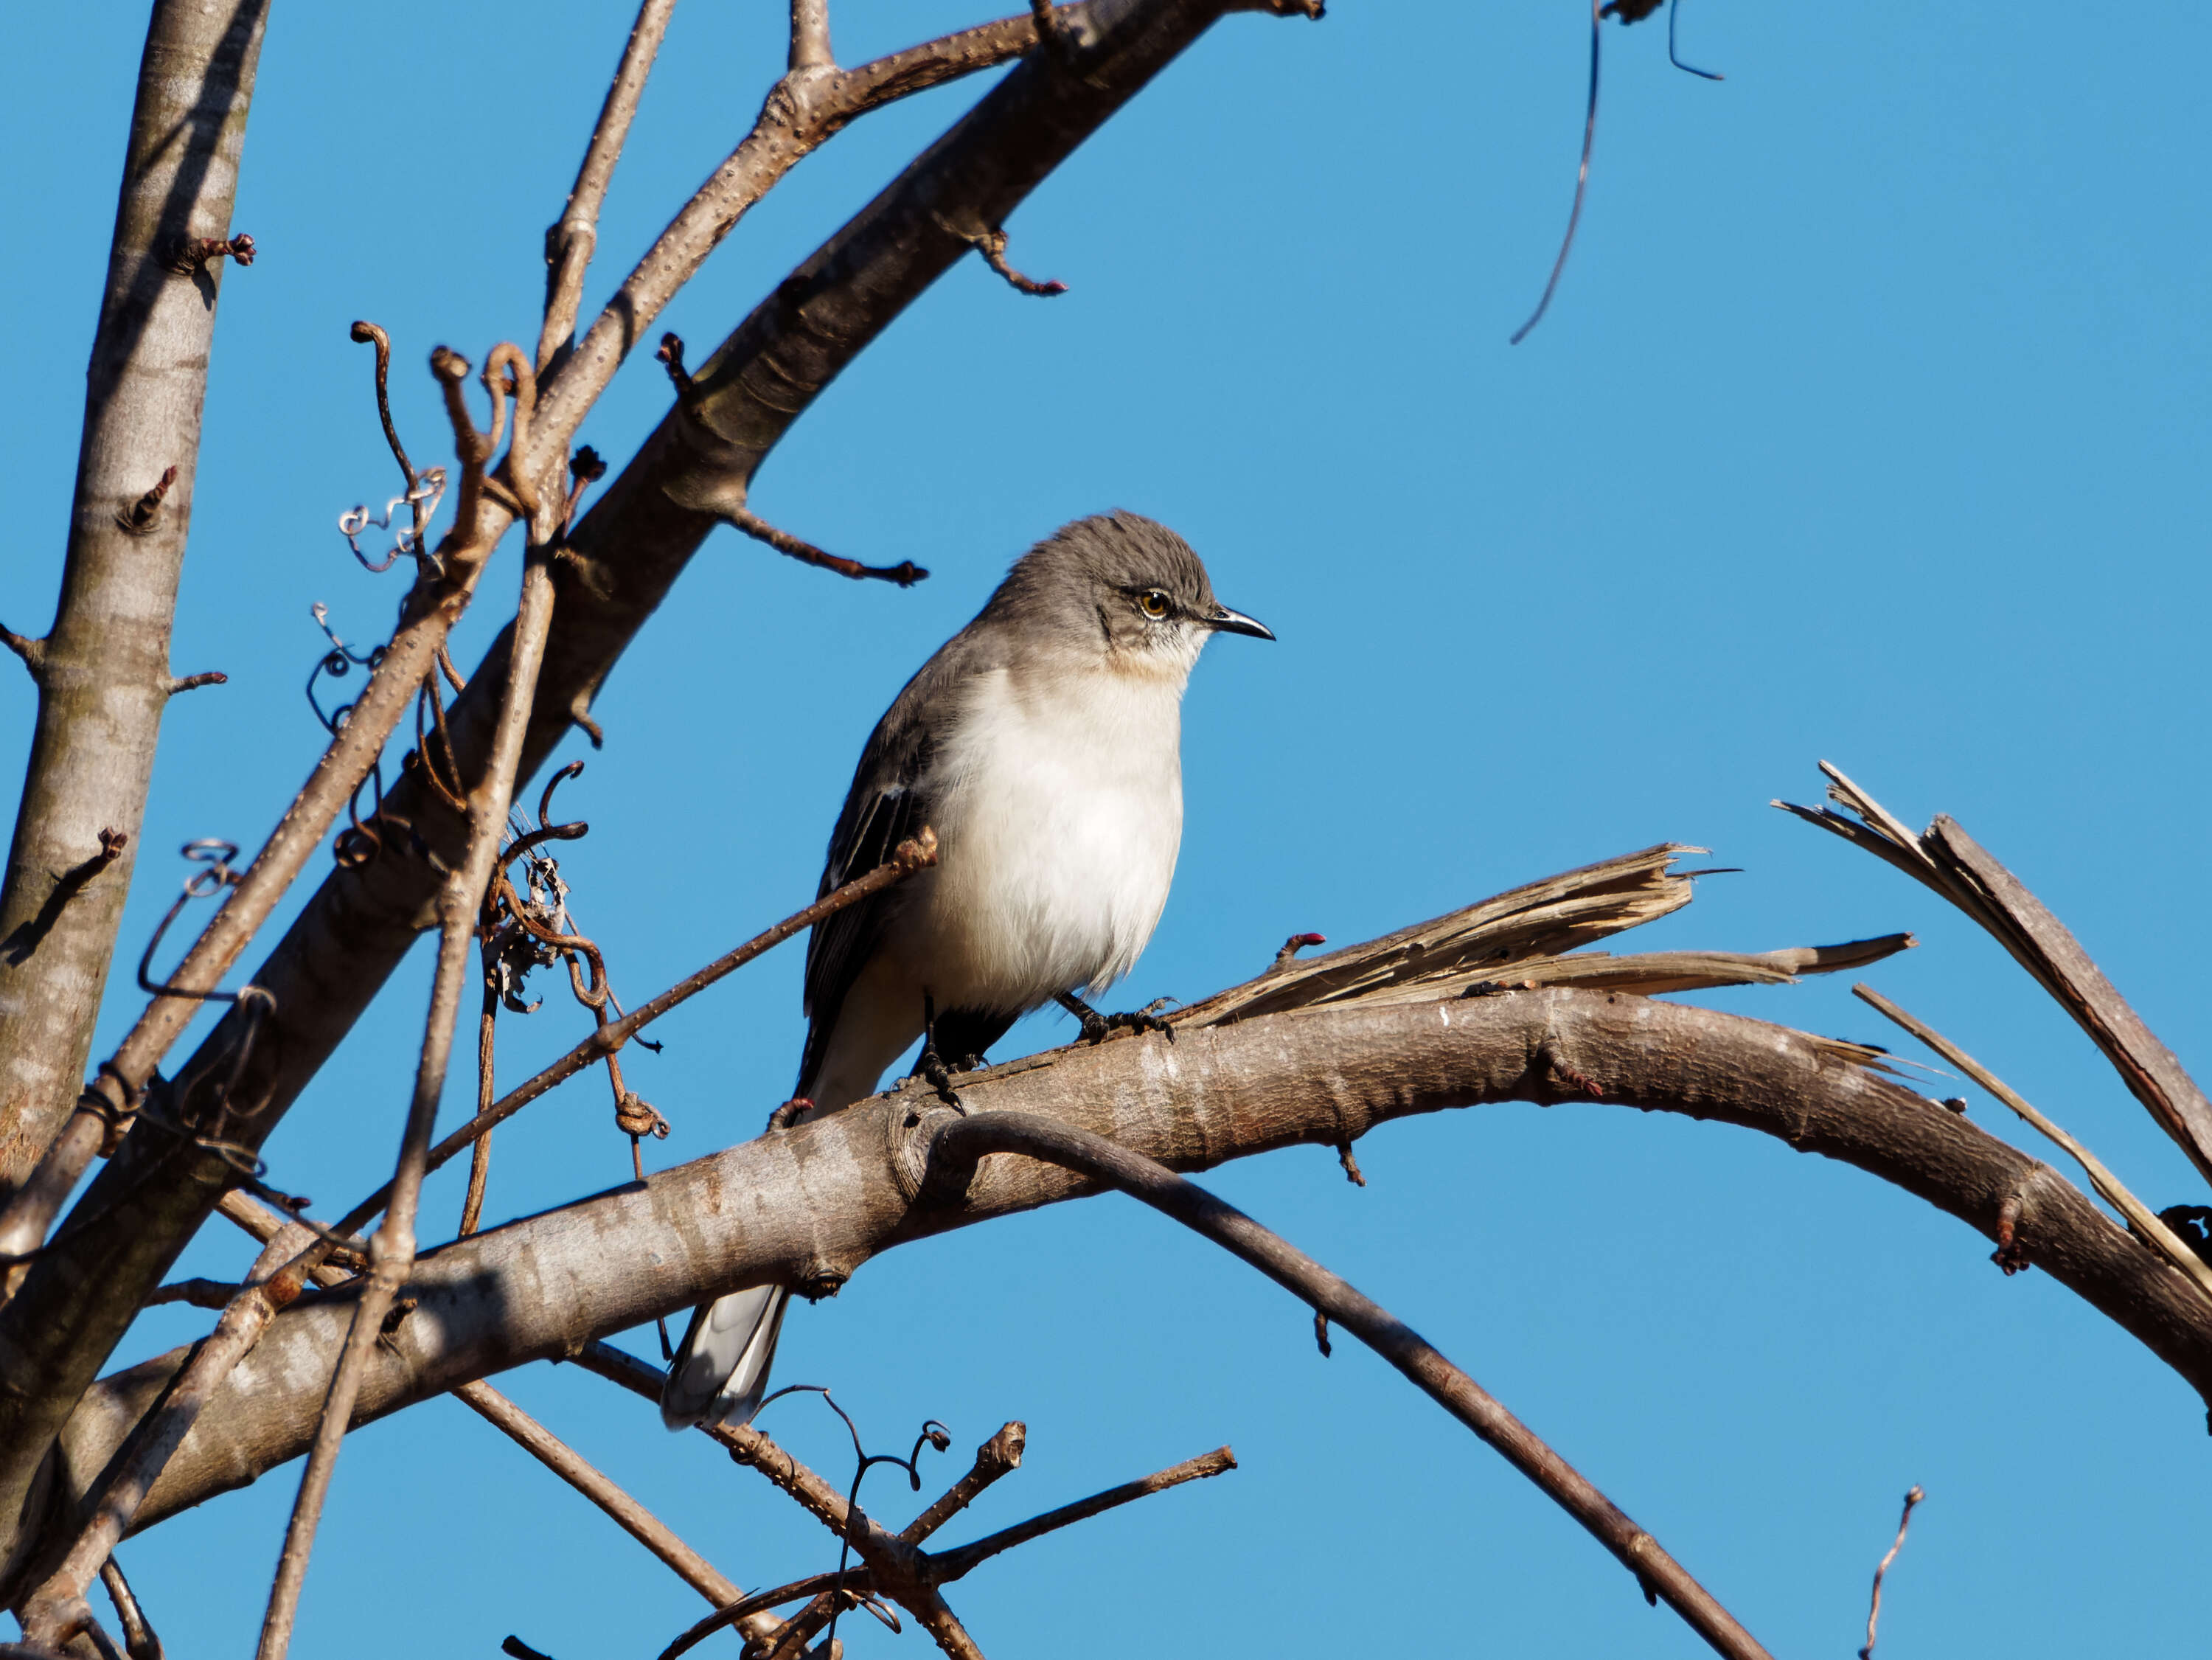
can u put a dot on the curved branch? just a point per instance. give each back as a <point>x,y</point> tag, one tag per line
<point>807,1206</point>
<point>957,1143</point>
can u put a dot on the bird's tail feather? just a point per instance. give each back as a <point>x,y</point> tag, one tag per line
<point>720,1371</point>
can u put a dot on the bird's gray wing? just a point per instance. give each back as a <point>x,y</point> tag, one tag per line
<point>890,798</point>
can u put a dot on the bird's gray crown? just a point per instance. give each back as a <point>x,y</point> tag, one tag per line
<point>1118,574</point>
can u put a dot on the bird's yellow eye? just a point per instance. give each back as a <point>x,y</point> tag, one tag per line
<point>1154,603</point>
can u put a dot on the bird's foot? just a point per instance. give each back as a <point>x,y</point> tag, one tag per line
<point>933,1071</point>
<point>1097,1027</point>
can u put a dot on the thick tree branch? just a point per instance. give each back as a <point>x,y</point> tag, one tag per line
<point>807,1206</point>
<point>103,671</point>
<point>618,564</point>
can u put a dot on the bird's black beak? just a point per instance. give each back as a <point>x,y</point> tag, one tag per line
<point>1226,621</point>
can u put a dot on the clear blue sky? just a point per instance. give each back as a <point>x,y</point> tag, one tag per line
<point>1869,423</point>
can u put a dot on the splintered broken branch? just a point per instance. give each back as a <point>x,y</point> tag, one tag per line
<point>950,1145</point>
<point>1951,863</point>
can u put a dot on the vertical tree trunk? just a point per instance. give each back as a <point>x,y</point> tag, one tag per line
<point>103,672</point>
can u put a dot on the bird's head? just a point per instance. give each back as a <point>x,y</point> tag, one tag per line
<point>1123,586</point>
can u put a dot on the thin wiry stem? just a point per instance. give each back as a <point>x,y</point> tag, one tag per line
<point>391,1251</point>
<point>480,1158</point>
<point>571,240</point>
<point>1582,185</point>
<point>1913,1497</point>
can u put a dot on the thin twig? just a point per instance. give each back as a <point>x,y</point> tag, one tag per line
<point>1874,1609</point>
<point>949,1565</point>
<point>917,854</point>
<point>694,1570</point>
<point>954,1144</point>
<point>2141,1220</point>
<point>391,1251</point>
<point>906,573</point>
<point>571,240</point>
<point>139,1641</point>
<point>992,245</point>
<point>806,110</point>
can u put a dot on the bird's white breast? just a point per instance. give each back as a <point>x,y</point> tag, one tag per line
<point>1060,813</point>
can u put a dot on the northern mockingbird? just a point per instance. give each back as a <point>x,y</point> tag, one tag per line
<point>1043,743</point>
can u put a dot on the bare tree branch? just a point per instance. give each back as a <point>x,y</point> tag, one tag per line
<point>271,1286</point>
<point>693,1569</point>
<point>810,35</point>
<point>391,1249</point>
<point>103,670</point>
<point>618,563</point>
<point>914,855</point>
<point>951,1146</point>
<point>44,1357</point>
<point>1951,863</point>
<point>571,239</point>
<point>2143,1221</point>
<point>806,1207</point>
<point>945,1567</point>
<point>139,1642</point>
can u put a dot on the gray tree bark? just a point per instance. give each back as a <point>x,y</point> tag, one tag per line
<point>809,1207</point>
<point>103,671</point>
